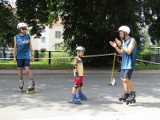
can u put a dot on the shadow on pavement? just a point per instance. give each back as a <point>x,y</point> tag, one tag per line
<point>54,93</point>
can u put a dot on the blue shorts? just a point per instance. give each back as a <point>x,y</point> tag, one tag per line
<point>23,63</point>
<point>126,73</point>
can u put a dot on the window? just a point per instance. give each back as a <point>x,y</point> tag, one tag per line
<point>56,46</point>
<point>58,34</point>
<point>43,40</point>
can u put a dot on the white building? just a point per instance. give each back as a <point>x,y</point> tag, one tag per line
<point>50,38</point>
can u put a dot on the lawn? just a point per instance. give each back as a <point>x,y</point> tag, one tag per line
<point>62,60</point>
<point>58,64</point>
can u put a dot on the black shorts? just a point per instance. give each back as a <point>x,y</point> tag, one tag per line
<point>126,73</point>
<point>23,63</point>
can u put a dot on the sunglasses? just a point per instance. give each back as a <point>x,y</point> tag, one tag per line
<point>23,28</point>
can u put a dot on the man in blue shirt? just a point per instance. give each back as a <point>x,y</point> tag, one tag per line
<point>23,52</point>
<point>128,49</point>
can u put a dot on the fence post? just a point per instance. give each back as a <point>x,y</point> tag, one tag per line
<point>49,60</point>
<point>113,66</point>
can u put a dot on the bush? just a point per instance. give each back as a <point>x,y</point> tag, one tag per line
<point>36,55</point>
<point>43,50</point>
<point>43,54</point>
<point>145,55</point>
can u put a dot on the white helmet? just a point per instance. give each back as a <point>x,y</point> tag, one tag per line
<point>20,25</point>
<point>80,48</point>
<point>124,29</point>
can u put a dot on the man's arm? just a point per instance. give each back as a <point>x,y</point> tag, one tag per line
<point>30,47</point>
<point>130,47</point>
<point>14,51</point>
<point>113,44</point>
<point>118,50</point>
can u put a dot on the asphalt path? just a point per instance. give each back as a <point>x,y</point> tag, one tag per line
<point>54,91</point>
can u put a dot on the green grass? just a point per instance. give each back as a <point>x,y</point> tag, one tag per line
<point>142,66</point>
<point>58,62</point>
<point>37,65</point>
<point>61,64</point>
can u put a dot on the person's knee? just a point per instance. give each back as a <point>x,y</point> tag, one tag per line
<point>76,86</point>
<point>81,84</point>
<point>125,80</point>
<point>20,71</point>
<point>28,71</point>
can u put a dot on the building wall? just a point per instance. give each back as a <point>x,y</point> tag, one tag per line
<point>49,39</point>
<point>55,39</point>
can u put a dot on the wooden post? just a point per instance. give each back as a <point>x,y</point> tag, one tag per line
<point>112,75</point>
<point>49,56</point>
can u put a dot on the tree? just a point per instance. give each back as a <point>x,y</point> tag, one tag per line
<point>8,23</point>
<point>36,13</point>
<point>151,13</point>
<point>90,23</point>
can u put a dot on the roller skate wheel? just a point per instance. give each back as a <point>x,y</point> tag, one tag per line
<point>31,92</point>
<point>84,99</point>
<point>134,101</point>
<point>120,99</point>
<point>74,102</point>
<point>127,103</point>
<point>21,90</point>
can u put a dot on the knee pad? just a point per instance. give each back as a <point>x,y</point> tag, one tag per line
<point>81,84</point>
<point>76,86</point>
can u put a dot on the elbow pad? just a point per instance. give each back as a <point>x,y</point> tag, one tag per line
<point>74,66</point>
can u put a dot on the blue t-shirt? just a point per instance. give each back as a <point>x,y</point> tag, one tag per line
<point>22,44</point>
<point>129,61</point>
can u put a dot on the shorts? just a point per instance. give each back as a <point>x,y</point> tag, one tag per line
<point>23,63</point>
<point>78,80</point>
<point>126,73</point>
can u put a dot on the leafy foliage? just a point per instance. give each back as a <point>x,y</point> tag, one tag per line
<point>8,24</point>
<point>36,13</point>
<point>91,23</point>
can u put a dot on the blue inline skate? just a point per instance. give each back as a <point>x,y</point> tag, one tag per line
<point>74,99</point>
<point>81,96</point>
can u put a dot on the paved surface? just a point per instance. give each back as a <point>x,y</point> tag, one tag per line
<point>54,89</point>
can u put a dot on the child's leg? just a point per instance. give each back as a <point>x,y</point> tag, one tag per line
<point>130,84</point>
<point>80,94</point>
<point>29,73</point>
<point>27,68</point>
<point>80,83</point>
<point>74,89</point>
<point>20,69</point>
<point>20,74</point>
<point>126,90</point>
<point>31,87</point>
<point>74,99</point>
<point>125,84</point>
<point>80,88</point>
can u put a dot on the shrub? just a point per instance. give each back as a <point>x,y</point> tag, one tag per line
<point>36,54</point>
